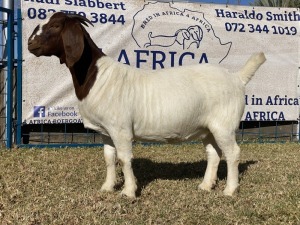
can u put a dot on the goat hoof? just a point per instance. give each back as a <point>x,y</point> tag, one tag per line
<point>204,187</point>
<point>227,193</point>
<point>107,187</point>
<point>128,193</point>
<point>230,191</point>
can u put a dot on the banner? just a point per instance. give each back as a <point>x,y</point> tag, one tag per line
<point>157,35</point>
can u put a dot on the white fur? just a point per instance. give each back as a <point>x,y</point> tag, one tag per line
<point>171,105</point>
<point>40,30</point>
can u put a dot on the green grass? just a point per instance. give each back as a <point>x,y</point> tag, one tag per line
<point>61,186</point>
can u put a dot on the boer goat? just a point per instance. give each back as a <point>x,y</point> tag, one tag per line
<point>171,105</point>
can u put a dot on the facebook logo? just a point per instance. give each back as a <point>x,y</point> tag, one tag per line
<point>39,111</point>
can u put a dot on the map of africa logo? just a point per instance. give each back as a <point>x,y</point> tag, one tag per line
<point>162,25</point>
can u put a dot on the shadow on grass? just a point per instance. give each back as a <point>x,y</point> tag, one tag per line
<point>147,170</point>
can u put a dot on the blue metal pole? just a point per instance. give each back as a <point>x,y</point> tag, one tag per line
<point>19,79</point>
<point>9,103</point>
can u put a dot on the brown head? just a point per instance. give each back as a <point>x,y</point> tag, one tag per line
<point>64,36</point>
<point>58,36</point>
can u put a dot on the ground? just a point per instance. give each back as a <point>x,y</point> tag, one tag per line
<point>61,186</point>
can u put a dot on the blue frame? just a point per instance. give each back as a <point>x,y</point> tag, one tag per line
<point>9,84</point>
<point>19,80</point>
<point>59,145</point>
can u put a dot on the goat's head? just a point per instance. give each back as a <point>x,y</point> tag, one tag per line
<point>196,32</point>
<point>62,35</point>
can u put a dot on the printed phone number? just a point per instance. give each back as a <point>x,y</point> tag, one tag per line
<point>41,14</point>
<point>240,27</point>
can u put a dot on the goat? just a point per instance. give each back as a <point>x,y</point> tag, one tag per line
<point>170,105</point>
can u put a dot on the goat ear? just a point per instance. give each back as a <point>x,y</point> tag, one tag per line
<point>73,41</point>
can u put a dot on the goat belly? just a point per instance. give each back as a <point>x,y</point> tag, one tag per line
<point>170,129</point>
<point>175,137</point>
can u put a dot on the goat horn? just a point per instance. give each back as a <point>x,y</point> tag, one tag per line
<point>82,19</point>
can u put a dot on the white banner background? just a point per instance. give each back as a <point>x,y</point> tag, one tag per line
<point>154,35</point>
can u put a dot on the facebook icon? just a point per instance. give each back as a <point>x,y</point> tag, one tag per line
<point>39,111</point>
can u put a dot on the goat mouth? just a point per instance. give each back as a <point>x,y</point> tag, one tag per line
<point>34,50</point>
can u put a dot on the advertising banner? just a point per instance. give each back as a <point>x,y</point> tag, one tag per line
<point>157,35</point>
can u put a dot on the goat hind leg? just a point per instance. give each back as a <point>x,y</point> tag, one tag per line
<point>227,142</point>
<point>214,155</point>
<point>232,159</point>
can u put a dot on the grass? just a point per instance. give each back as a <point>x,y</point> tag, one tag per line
<point>61,186</point>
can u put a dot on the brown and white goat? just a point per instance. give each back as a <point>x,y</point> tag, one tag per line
<point>171,105</point>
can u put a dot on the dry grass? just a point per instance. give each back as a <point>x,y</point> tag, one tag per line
<point>61,186</point>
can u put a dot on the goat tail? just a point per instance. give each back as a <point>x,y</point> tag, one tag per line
<point>251,66</point>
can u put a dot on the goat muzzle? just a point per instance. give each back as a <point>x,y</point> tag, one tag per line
<point>33,48</point>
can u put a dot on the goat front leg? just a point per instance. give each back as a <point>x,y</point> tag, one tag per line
<point>110,159</point>
<point>124,154</point>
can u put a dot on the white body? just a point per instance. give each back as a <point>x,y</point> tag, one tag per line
<point>170,105</point>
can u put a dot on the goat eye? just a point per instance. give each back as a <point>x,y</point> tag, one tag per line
<point>54,27</point>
